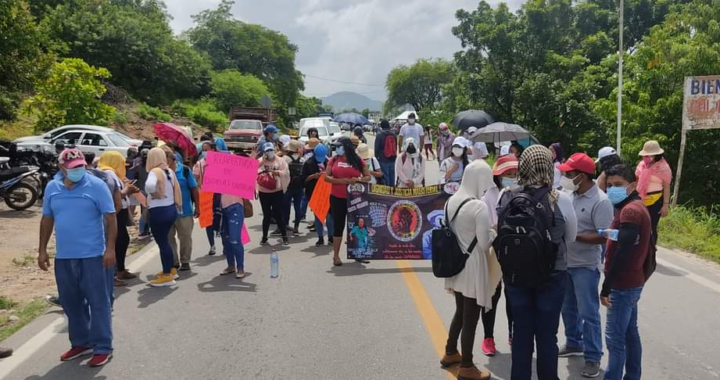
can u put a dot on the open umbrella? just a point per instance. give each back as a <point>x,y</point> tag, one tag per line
<point>497,132</point>
<point>471,118</point>
<point>351,118</point>
<point>171,132</point>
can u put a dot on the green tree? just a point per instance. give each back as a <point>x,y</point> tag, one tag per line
<point>419,85</point>
<point>70,95</point>
<point>21,56</point>
<point>230,88</point>
<point>250,49</point>
<point>133,40</point>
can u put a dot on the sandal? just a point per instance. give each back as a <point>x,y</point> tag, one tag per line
<point>227,271</point>
<point>337,263</point>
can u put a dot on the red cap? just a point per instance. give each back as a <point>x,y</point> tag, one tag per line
<point>580,162</point>
<point>71,158</point>
<point>505,163</point>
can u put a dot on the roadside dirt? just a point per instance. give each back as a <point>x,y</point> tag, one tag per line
<point>20,278</point>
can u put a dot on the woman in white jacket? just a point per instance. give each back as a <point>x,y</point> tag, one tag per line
<point>475,285</point>
<point>410,166</point>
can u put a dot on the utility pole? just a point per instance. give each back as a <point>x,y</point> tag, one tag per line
<point>621,27</point>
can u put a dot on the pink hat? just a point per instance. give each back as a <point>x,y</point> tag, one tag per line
<point>505,163</point>
<point>71,158</point>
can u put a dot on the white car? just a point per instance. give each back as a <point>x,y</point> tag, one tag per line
<point>323,134</point>
<point>86,140</point>
<point>47,136</point>
<point>335,132</point>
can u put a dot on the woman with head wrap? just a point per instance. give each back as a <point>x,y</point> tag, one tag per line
<point>113,164</point>
<point>344,169</point>
<point>475,285</point>
<point>445,141</point>
<point>164,201</point>
<point>410,166</point>
<point>536,311</point>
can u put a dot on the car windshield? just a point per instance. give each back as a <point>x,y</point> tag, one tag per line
<point>246,124</point>
<point>322,131</point>
<point>334,128</point>
<point>118,139</point>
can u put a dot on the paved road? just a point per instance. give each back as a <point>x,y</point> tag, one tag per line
<point>384,320</point>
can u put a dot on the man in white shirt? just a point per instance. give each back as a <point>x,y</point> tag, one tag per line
<point>411,130</point>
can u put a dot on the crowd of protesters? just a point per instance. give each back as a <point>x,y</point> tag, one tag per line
<point>604,216</point>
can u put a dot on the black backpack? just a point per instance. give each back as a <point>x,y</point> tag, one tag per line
<point>295,167</point>
<point>448,258</point>
<point>524,244</point>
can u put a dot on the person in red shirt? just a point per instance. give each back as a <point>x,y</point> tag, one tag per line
<point>344,169</point>
<point>625,274</point>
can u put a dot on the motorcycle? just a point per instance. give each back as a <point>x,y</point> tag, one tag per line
<point>18,194</point>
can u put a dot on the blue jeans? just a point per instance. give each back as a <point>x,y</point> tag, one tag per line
<point>304,205</point>
<point>161,220</point>
<point>622,336</point>
<point>293,197</point>
<point>233,219</point>
<point>143,227</point>
<point>581,312</point>
<point>537,317</point>
<point>210,232</point>
<point>319,226</point>
<point>388,169</point>
<point>85,288</point>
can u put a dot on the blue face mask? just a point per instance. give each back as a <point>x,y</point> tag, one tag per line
<point>617,194</point>
<point>76,174</point>
<point>508,182</point>
<point>340,150</point>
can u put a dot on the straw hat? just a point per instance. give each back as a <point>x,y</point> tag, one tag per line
<point>364,151</point>
<point>651,148</point>
<point>312,143</point>
<point>294,146</point>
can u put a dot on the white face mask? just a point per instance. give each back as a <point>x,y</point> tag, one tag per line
<point>457,152</point>
<point>569,183</point>
<point>270,154</point>
<point>294,156</point>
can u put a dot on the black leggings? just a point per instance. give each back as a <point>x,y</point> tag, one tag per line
<point>123,239</point>
<point>338,208</point>
<point>272,208</point>
<point>488,317</point>
<point>509,314</point>
<point>465,320</point>
<point>654,211</point>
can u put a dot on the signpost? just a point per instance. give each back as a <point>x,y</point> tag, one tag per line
<point>701,110</point>
<point>266,102</point>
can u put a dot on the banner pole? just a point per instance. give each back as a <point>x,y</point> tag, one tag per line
<point>676,190</point>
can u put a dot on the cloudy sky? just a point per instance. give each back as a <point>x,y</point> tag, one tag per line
<point>356,41</point>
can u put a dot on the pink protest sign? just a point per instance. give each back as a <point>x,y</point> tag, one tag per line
<point>245,235</point>
<point>229,174</point>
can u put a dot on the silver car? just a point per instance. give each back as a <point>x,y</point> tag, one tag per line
<point>50,135</point>
<point>86,140</point>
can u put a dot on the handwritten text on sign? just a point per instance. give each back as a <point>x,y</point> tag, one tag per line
<point>229,174</point>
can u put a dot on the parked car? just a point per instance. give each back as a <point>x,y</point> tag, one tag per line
<point>323,134</point>
<point>243,135</point>
<point>47,136</point>
<point>86,140</point>
<point>335,132</point>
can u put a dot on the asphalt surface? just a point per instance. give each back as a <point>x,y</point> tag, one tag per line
<point>383,320</point>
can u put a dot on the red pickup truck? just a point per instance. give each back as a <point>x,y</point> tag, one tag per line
<point>246,127</point>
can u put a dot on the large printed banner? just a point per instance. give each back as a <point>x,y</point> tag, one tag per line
<point>389,223</point>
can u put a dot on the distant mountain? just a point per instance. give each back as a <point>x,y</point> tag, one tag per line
<point>348,100</point>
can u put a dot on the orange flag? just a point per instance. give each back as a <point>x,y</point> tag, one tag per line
<point>320,200</point>
<point>206,209</point>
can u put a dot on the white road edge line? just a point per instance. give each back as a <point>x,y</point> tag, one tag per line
<point>691,276</point>
<point>35,343</point>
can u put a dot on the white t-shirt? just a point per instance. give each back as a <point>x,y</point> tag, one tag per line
<point>415,131</point>
<point>151,186</point>
<point>372,165</point>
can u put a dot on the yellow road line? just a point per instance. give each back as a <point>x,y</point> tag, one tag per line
<point>431,318</point>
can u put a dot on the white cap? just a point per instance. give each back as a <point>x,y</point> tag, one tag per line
<point>504,150</point>
<point>461,141</point>
<point>480,150</point>
<point>604,152</point>
<point>471,130</point>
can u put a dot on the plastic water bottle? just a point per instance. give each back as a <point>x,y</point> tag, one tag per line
<point>609,233</point>
<point>274,265</point>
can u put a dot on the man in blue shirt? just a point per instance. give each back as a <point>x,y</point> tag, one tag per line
<point>80,208</point>
<point>184,224</point>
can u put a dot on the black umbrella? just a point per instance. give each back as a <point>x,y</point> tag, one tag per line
<point>471,118</point>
